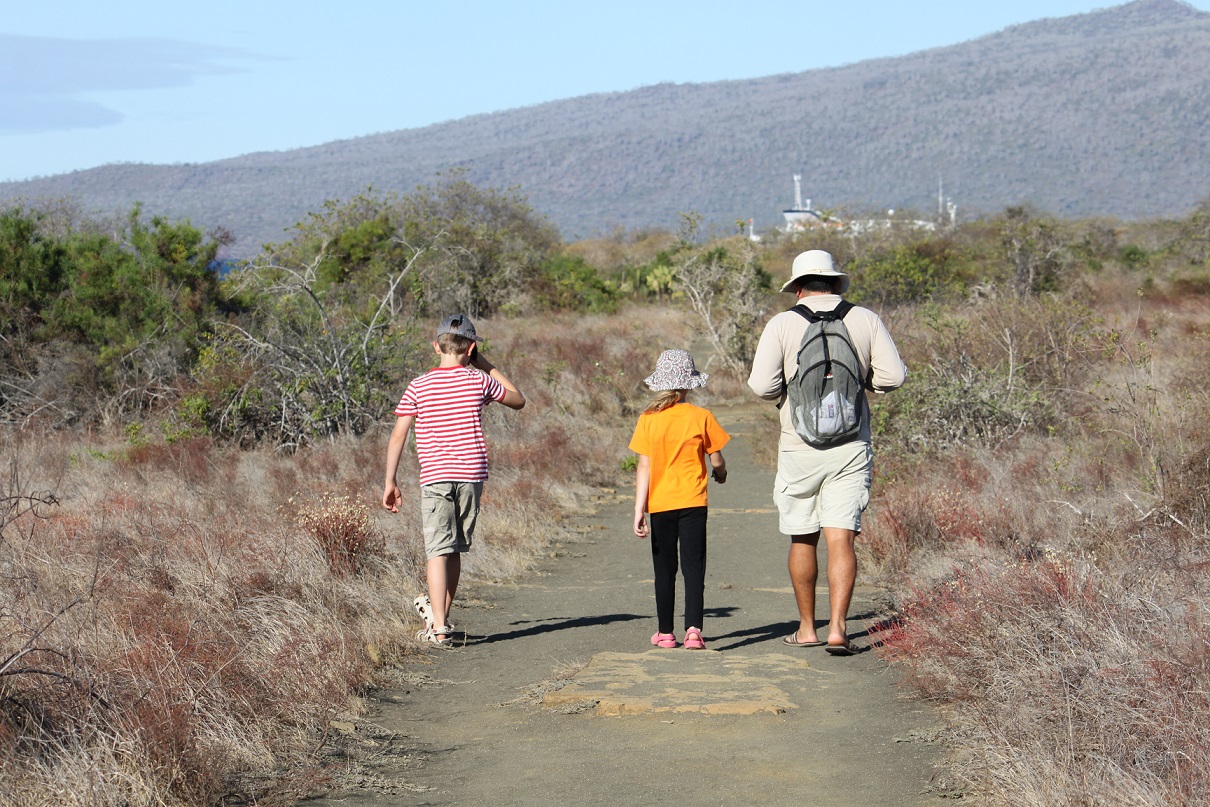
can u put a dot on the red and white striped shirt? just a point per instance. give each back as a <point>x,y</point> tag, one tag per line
<point>447,403</point>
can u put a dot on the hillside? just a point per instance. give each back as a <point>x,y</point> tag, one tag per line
<point>1096,114</point>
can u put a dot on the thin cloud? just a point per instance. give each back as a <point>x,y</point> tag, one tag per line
<point>45,81</point>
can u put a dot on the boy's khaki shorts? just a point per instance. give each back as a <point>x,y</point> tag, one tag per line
<point>823,488</point>
<point>448,511</point>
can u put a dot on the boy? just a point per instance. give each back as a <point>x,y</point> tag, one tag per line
<point>445,406</point>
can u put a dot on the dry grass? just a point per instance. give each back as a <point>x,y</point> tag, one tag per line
<point>1053,586</point>
<point>167,640</point>
<point>184,625</point>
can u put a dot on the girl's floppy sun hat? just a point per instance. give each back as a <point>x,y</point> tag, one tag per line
<point>674,370</point>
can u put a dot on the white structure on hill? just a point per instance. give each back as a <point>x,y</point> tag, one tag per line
<point>802,217</point>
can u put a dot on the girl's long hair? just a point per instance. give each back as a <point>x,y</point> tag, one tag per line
<point>664,400</point>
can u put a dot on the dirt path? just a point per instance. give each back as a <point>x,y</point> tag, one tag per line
<point>502,721</point>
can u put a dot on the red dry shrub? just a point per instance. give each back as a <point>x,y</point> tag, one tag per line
<point>262,582</point>
<point>908,518</point>
<point>189,460</point>
<point>968,473</point>
<point>1031,651</point>
<point>285,480</point>
<point>549,453</point>
<point>1193,286</point>
<point>1187,495</point>
<point>343,530</point>
<point>531,492</point>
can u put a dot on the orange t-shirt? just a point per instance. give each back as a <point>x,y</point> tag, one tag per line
<point>676,441</point>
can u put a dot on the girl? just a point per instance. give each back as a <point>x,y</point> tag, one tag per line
<point>672,440</point>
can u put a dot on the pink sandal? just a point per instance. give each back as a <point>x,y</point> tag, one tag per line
<point>663,639</point>
<point>693,639</point>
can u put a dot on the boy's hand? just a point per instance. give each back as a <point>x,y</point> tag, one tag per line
<point>640,524</point>
<point>479,362</point>
<point>391,497</point>
<point>720,475</point>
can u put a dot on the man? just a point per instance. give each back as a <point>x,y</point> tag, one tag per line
<point>822,491</point>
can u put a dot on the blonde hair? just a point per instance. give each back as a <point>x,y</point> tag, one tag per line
<point>453,344</point>
<point>664,400</point>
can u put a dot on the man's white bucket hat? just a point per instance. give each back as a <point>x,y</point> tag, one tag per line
<point>817,263</point>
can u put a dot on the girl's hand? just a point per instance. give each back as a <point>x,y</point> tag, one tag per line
<point>640,524</point>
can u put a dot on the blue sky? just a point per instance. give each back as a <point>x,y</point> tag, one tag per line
<point>84,84</point>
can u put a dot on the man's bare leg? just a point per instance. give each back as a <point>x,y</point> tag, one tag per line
<point>804,572</point>
<point>842,575</point>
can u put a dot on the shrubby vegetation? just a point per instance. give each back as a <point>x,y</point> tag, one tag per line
<point>100,324</point>
<point>192,449</point>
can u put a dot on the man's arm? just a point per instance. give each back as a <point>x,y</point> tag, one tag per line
<point>399,437</point>
<point>513,398</point>
<point>887,371</point>
<point>767,378</point>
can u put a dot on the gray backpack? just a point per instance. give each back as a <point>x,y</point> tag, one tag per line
<point>825,396</point>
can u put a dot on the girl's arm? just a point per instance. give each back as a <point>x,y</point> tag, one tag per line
<point>720,467</point>
<point>642,481</point>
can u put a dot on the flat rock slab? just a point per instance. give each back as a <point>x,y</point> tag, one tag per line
<point>687,681</point>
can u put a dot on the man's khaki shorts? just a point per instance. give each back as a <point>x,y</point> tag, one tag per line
<point>823,488</point>
<point>448,511</point>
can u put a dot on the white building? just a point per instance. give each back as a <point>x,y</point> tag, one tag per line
<point>803,217</point>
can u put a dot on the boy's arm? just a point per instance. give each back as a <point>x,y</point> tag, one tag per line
<point>720,467</point>
<point>399,437</point>
<point>513,398</point>
<point>642,481</point>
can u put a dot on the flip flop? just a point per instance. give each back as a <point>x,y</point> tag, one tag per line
<point>846,649</point>
<point>792,640</point>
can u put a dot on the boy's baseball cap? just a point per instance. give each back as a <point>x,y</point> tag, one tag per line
<point>459,325</point>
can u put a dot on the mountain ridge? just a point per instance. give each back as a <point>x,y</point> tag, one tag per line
<point>1102,113</point>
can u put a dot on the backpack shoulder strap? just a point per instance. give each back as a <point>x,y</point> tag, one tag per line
<point>837,313</point>
<point>805,313</point>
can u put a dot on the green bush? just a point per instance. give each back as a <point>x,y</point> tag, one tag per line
<point>908,273</point>
<point>32,270</point>
<point>981,376</point>
<point>96,318</point>
<point>1134,256</point>
<point>569,283</point>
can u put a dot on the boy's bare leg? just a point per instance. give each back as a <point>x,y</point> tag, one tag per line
<point>842,575</point>
<point>804,571</point>
<point>444,571</point>
<point>453,572</point>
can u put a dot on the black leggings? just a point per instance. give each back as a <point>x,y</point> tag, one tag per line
<point>688,526</point>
